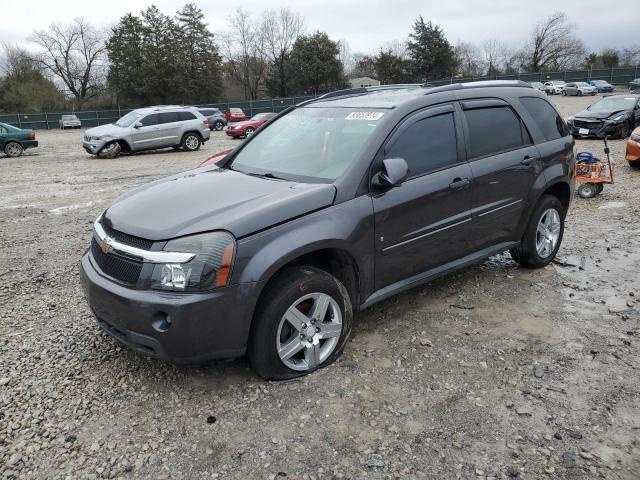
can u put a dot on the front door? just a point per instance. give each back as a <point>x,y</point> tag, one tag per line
<point>425,222</point>
<point>148,135</point>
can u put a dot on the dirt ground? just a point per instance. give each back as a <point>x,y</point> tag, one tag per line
<point>493,372</point>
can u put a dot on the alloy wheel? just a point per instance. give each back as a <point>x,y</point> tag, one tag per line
<point>309,331</point>
<point>13,149</point>
<point>548,232</point>
<point>192,142</point>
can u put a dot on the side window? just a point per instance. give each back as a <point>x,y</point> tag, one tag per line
<point>546,117</point>
<point>149,120</point>
<point>2,130</point>
<point>169,117</point>
<point>429,144</point>
<point>185,116</point>
<point>493,130</point>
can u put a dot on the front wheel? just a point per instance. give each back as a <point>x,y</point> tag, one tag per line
<point>588,190</point>
<point>13,149</point>
<point>110,150</point>
<point>579,93</point>
<point>543,234</point>
<point>191,142</point>
<point>302,323</point>
<point>624,130</point>
<point>248,132</point>
<point>218,125</point>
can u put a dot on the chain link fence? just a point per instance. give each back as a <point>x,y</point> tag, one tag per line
<point>93,118</point>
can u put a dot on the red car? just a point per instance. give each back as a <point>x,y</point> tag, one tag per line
<point>246,128</point>
<point>235,115</point>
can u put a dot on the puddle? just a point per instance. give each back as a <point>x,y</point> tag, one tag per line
<point>612,205</point>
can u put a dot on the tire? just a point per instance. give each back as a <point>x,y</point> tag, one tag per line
<point>624,131</point>
<point>579,93</point>
<point>599,188</point>
<point>218,126</point>
<point>635,165</point>
<point>13,149</point>
<point>564,93</point>
<point>294,290</point>
<point>588,190</point>
<point>248,132</point>
<point>110,150</point>
<point>191,142</point>
<point>527,253</point>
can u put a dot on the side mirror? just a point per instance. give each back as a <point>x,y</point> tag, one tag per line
<point>137,125</point>
<point>394,172</point>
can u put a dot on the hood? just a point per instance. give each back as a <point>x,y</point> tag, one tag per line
<point>245,123</point>
<point>601,115</point>
<point>108,129</point>
<point>213,199</point>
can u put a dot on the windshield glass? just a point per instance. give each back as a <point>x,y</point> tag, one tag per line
<point>128,120</point>
<point>260,116</point>
<point>68,117</point>
<point>610,104</point>
<point>582,84</point>
<point>557,82</point>
<point>309,144</point>
<point>599,82</point>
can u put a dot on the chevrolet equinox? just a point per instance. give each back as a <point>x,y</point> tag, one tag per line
<point>334,205</point>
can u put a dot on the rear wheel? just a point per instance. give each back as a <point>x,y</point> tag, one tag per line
<point>13,149</point>
<point>301,324</point>
<point>579,93</point>
<point>218,125</point>
<point>543,234</point>
<point>191,142</point>
<point>110,150</point>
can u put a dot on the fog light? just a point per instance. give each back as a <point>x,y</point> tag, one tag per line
<point>174,276</point>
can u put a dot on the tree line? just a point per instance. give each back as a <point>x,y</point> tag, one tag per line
<point>153,58</point>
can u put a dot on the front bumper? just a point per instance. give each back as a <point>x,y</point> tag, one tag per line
<point>182,328</point>
<point>234,133</point>
<point>607,128</point>
<point>92,147</point>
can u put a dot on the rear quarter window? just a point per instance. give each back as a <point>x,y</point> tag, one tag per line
<point>546,117</point>
<point>182,116</point>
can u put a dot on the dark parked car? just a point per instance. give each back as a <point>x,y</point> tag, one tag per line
<point>246,128</point>
<point>217,121</point>
<point>339,203</point>
<point>634,85</point>
<point>602,85</point>
<point>14,141</point>
<point>615,115</point>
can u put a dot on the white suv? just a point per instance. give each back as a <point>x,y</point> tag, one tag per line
<point>554,87</point>
<point>149,129</point>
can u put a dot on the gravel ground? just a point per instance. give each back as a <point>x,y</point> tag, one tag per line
<point>492,372</point>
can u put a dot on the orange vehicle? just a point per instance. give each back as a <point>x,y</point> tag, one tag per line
<point>633,149</point>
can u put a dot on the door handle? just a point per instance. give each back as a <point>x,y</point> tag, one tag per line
<point>528,160</point>
<point>459,183</point>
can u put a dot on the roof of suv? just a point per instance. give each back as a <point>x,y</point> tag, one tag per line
<point>391,96</point>
<point>164,108</point>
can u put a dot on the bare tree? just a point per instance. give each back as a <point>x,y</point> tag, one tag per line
<point>552,44</point>
<point>346,57</point>
<point>630,57</point>
<point>280,29</point>
<point>396,48</point>
<point>15,60</point>
<point>75,54</point>
<point>493,54</point>
<point>469,59</point>
<point>244,49</point>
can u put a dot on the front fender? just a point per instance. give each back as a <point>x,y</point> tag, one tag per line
<point>347,226</point>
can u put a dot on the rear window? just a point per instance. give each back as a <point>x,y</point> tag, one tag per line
<point>185,116</point>
<point>493,130</point>
<point>546,117</point>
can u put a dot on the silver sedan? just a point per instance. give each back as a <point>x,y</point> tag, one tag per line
<point>579,89</point>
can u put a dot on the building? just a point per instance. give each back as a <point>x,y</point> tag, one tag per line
<point>364,82</point>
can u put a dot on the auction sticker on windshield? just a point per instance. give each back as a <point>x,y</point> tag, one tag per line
<point>364,116</point>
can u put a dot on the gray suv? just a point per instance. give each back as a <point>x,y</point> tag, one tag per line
<point>332,206</point>
<point>149,129</point>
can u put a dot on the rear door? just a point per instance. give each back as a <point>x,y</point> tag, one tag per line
<point>170,129</point>
<point>571,89</point>
<point>504,163</point>
<point>424,223</point>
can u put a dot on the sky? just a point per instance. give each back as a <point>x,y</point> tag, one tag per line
<point>365,24</point>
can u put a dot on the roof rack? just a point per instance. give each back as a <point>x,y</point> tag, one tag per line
<point>481,84</point>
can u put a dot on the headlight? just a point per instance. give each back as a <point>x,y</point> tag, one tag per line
<point>619,118</point>
<point>570,119</point>
<point>635,137</point>
<point>209,269</point>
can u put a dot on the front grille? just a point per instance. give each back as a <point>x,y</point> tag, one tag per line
<point>123,269</point>
<point>587,124</point>
<point>126,238</point>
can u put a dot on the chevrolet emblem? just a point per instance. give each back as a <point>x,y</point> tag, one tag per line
<point>105,246</point>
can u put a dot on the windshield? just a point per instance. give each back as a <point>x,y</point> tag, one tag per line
<point>557,82</point>
<point>582,84</point>
<point>612,104</point>
<point>599,82</point>
<point>308,144</point>
<point>68,117</point>
<point>260,116</point>
<point>128,120</point>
